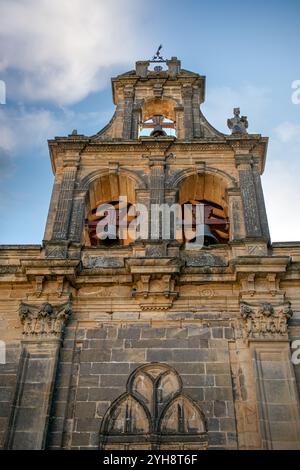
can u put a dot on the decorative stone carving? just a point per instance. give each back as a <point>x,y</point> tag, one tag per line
<point>56,251</point>
<point>102,262</point>
<point>257,250</point>
<point>238,124</point>
<point>154,410</point>
<point>204,259</point>
<point>46,320</point>
<point>265,320</point>
<point>156,251</point>
<point>39,285</point>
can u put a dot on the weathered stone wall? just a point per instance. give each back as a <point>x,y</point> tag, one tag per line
<point>96,363</point>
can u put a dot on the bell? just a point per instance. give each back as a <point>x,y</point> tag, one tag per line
<point>158,131</point>
<point>209,238</point>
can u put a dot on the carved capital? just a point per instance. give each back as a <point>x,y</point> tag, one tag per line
<point>46,320</point>
<point>265,321</point>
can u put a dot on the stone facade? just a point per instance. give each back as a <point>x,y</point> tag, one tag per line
<point>151,344</point>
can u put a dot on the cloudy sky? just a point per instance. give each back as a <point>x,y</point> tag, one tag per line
<point>57,57</point>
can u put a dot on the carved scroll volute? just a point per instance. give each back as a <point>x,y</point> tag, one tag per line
<point>45,321</point>
<point>265,321</point>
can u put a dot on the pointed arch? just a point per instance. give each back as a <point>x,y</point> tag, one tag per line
<point>153,411</point>
<point>182,415</point>
<point>126,415</point>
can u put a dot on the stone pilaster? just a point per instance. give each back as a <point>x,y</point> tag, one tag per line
<point>237,225</point>
<point>187,93</point>
<point>266,328</point>
<point>77,217</point>
<point>128,109</point>
<point>196,112</point>
<point>248,193</point>
<point>157,192</point>
<point>64,207</point>
<point>42,332</point>
<point>179,113</point>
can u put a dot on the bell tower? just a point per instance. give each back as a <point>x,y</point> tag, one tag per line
<point>173,155</point>
<point>157,314</point>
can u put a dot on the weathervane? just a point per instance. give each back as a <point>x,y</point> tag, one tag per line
<point>157,56</point>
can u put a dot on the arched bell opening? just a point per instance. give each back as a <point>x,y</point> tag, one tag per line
<point>158,118</point>
<point>209,191</point>
<point>108,210</point>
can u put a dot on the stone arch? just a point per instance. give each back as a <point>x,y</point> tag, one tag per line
<point>115,420</point>
<point>209,189</point>
<point>84,184</point>
<point>177,178</point>
<point>165,106</point>
<point>182,415</point>
<point>153,411</point>
<point>104,187</point>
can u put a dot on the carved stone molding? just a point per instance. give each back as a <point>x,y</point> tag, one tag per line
<point>46,320</point>
<point>265,321</point>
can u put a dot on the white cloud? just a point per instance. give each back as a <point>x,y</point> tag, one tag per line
<point>26,131</point>
<point>288,132</point>
<point>282,195</point>
<point>281,187</point>
<point>62,50</point>
<point>252,101</point>
<point>23,128</point>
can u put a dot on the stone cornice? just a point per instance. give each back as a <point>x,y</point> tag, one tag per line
<point>255,143</point>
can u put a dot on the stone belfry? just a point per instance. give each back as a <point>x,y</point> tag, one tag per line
<point>155,341</point>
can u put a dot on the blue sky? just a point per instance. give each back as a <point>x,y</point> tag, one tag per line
<point>57,57</point>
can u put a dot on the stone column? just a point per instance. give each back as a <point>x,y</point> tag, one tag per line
<point>136,113</point>
<point>196,112</point>
<point>265,328</point>
<point>237,225</point>
<point>179,113</point>
<point>187,94</point>
<point>128,109</point>
<point>42,333</point>
<point>157,191</point>
<point>248,193</point>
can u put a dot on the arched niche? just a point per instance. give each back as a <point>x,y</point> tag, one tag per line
<point>182,416</point>
<point>208,189</point>
<point>165,107</point>
<point>127,416</point>
<point>158,117</point>
<point>112,191</point>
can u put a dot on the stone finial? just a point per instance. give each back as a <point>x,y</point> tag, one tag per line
<point>174,66</point>
<point>141,68</point>
<point>238,124</point>
<point>44,321</point>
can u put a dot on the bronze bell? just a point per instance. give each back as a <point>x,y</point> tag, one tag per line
<point>209,238</point>
<point>158,131</point>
